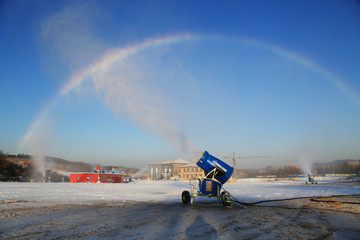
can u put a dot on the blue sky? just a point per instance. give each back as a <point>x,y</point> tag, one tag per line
<point>274,78</point>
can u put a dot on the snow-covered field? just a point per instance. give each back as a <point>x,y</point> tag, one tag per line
<point>166,191</point>
<point>153,210</point>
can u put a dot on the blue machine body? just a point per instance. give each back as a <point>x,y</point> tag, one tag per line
<point>208,162</point>
<point>311,178</point>
<point>209,186</point>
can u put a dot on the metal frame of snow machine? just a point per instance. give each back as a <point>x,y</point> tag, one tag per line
<point>217,173</point>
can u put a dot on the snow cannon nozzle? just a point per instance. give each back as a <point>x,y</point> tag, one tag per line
<point>208,163</point>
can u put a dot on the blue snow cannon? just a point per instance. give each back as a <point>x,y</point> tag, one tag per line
<point>311,179</point>
<point>216,173</point>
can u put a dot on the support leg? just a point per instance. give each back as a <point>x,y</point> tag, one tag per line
<point>192,194</point>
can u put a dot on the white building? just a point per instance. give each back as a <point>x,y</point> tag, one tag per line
<point>166,169</point>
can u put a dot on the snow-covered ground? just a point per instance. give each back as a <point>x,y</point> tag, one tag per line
<point>153,210</point>
<point>167,191</point>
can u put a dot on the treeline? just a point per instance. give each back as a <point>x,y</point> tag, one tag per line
<point>12,172</point>
<point>25,156</point>
<point>279,172</point>
<point>20,167</point>
<point>338,167</point>
<point>335,167</point>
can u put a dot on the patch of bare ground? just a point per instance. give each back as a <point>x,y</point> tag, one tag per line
<point>300,219</point>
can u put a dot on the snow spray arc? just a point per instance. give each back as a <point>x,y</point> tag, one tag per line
<point>99,69</point>
<point>124,97</point>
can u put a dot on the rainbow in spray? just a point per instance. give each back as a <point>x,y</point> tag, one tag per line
<point>117,54</point>
<point>77,78</point>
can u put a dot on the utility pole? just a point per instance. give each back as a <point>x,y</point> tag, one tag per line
<point>239,157</point>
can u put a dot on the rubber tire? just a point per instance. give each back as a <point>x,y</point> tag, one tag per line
<point>225,199</point>
<point>185,197</point>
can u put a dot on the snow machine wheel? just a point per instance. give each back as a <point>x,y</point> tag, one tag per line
<point>225,198</point>
<point>185,197</point>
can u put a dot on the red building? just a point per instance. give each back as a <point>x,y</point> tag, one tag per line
<point>94,177</point>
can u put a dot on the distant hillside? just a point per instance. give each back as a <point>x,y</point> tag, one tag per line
<point>345,166</point>
<point>13,170</point>
<point>70,166</point>
<point>23,162</point>
<point>21,167</point>
<point>348,161</point>
<point>62,165</point>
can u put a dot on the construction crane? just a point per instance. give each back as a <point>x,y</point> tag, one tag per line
<point>239,157</point>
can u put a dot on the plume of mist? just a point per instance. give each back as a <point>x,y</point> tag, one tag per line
<point>38,146</point>
<point>131,90</point>
<point>126,89</point>
<point>305,163</point>
<point>68,34</point>
<point>141,171</point>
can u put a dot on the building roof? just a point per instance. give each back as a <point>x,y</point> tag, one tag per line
<point>190,165</point>
<point>173,161</point>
